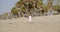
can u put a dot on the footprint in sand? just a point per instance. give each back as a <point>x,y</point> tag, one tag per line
<point>10,23</point>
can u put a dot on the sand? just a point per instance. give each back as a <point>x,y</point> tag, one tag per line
<point>38,24</point>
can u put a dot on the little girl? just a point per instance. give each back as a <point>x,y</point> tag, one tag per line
<point>30,18</point>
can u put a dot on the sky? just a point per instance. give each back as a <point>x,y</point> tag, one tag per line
<point>6,5</point>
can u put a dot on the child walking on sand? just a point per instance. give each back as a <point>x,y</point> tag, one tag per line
<point>30,18</point>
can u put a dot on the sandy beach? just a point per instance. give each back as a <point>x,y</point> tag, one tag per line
<point>39,24</point>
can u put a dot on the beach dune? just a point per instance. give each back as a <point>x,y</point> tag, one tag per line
<point>39,24</point>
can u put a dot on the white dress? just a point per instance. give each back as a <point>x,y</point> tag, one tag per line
<point>29,18</point>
